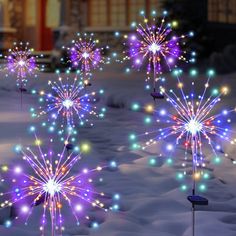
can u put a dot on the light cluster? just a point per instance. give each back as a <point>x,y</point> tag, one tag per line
<point>69,102</point>
<point>84,54</point>
<point>21,62</point>
<point>191,121</point>
<point>156,45</point>
<point>52,184</point>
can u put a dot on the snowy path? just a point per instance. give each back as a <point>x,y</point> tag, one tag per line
<point>151,202</point>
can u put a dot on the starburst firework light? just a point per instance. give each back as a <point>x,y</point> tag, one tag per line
<point>156,45</point>
<point>194,123</point>
<point>69,102</point>
<point>52,184</point>
<point>84,54</point>
<point>21,62</point>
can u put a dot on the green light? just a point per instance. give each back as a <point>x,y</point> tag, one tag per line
<point>175,72</point>
<point>217,160</point>
<point>193,72</point>
<point>215,92</point>
<point>202,187</point>
<point>211,72</point>
<point>135,146</point>
<point>132,137</point>
<point>180,176</point>
<point>147,120</point>
<point>206,176</point>
<point>152,162</point>
<point>135,107</point>
<point>183,187</point>
<point>169,161</point>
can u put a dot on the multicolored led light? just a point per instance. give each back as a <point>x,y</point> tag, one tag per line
<point>155,44</point>
<point>51,184</point>
<point>70,102</point>
<point>84,54</point>
<point>21,62</point>
<point>194,124</point>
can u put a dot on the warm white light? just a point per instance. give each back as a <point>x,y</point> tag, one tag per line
<point>52,187</point>
<point>154,48</point>
<point>67,103</point>
<point>193,126</point>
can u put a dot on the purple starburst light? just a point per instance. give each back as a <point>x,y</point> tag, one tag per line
<point>21,62</point>
<point>157,45</point>
<point>84,54</point>
<point>52,184</point>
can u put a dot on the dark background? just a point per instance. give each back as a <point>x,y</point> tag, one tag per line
<point>49,24</point>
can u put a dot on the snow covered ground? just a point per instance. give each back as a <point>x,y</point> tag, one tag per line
<point>151,201</point>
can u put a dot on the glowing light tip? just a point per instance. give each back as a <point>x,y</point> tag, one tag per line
<point>67,103</point>
<point>154,48</point>
<point>52,187</point>
<point>21,63</point>
<point>193,126</point>
<point>85,55</point>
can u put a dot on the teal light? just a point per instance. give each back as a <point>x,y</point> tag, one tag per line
<point>142,12</point>
<point>215,92</point>
<point>132,136</point>
<point>211,72</point>
<point>193,72</point>
<point>152,162</point>
<point>217,160</point>
<point>183,187</point>
<point>169,161</point>
<point>154,12</point>
<point>135,107</point>
<point>180,176</point>
<point>135,146</point>
<point>133,24</point>
<point>147,120</point>
<point>206,176</point>
<point>18,148</point>
<point>127,70</point>
<point>202,187</point>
